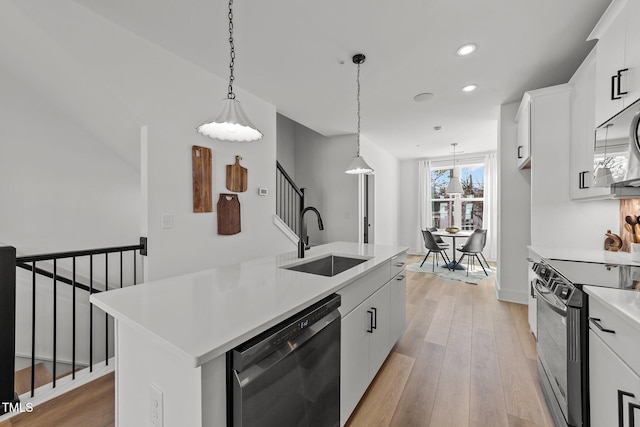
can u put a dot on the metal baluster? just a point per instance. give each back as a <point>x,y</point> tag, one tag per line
<point>55,316</point>
<point>106,316</point>
<point>135,273</point>
<point>73,322</point>
<point>90,314</point>
<point>121,281</point>
<point>33,328</point>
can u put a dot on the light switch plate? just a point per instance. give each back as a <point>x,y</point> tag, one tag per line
<point>167,221</point>
<point>263,191</point>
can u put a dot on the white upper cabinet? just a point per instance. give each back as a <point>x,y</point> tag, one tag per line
<point>618,59</point>
<point>523,137</point>
<point>581,167</point>
<point>541,122</point>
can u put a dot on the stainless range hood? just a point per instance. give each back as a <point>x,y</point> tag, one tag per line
<point>617,153</point>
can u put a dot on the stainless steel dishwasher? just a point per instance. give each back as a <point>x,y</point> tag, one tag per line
<point>290,374</point>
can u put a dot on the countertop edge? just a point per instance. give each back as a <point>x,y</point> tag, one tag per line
<point>197,360</point>
<point>600,294</point>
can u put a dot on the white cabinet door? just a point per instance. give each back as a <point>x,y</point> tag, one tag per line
<point>610,60</point>
<point>523,138</point>
<point>380,345</point>
<point>612,386</point>
<point>354,359</point>
<point>632,52</point>
<point>582,133</point>
<point>398,307</point>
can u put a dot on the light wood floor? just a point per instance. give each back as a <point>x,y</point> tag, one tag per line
<point>92,405</point>
<point>465,359</point>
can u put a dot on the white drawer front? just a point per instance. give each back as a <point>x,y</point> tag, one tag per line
<point>354,293</point>
<point>616,332</point>
<point>398,263</point>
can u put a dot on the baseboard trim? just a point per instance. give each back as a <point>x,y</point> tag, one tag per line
<point>510,296</point>
<point>285,229</point>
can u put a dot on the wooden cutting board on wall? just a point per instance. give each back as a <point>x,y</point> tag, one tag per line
<point>236,177</point>
<point>201,165</point>
<point>228,214</point>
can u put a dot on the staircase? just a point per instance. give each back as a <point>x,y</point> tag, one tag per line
<point>41,376</point>
<point>56,331</point>
<point>289,204</point>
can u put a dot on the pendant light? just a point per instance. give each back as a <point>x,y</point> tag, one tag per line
<point>454,186</point>
<point>231,124</point>
<point>358,165</point>
<point>603,177</point>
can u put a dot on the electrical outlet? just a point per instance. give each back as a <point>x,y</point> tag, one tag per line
<point>156,406</point>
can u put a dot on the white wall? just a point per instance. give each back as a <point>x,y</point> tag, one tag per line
<point>386,200</point>
<point>320,170</point>
<point>169,97</point>
<point>556,220</point>
<point>63,187</point>
<point>514,212</point>
<point>193,243</point>
<point>286,143</point>
<point>409,201</point>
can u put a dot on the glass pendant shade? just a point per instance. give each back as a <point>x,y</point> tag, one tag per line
<point>359,166</point>
<point>231,124</point>
<point>603,177</point>
<point>454,186</point>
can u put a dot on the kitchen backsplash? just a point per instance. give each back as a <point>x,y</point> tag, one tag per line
<point>628,207</point>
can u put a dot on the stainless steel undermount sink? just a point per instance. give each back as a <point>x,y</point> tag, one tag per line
<point>327,266</point>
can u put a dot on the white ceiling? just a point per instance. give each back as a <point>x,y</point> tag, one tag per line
<point>296,54</point>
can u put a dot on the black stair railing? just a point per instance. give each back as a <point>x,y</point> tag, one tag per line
<point>8,264</point>
<point>289,200</point>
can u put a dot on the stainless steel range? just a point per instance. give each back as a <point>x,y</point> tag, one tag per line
<point>563,364</point>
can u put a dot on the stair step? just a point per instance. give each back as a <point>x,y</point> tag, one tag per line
<point>23,378</point>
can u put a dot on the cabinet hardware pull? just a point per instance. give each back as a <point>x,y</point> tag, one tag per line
<point>399,264</point>
<point>621,395</point>
<point>400,277</point>
<point>620,81</point>
<point>370,330</point>
<point>614,78</point>
<point>597,321</point>
<point>375,318</point>
<point>581,180</point>
<point>632,418</point>
<point>519,154</point>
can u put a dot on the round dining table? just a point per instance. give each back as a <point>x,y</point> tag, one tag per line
<point>453,265</point>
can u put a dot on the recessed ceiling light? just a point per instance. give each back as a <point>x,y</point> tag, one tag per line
<point>423,97</point>
<point>469,88</point>
<point>466,49</point>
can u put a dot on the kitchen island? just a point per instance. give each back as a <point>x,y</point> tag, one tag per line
<point>172,335</point>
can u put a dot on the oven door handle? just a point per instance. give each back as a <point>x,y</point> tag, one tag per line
<point>553,305</point>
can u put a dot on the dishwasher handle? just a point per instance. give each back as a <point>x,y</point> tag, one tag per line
<point>253,371</point>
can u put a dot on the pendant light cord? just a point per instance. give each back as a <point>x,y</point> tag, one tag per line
<point>232,53</point>
<point>358,97</point>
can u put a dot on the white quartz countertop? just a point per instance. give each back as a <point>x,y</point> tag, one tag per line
<point>585,255</point>
<point>200,316</point>
<point>625,303</point>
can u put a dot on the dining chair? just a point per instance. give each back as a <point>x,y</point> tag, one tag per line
<point>438,239</point>
<point>473,247</point>
<point>433,247</point>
